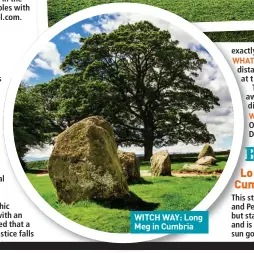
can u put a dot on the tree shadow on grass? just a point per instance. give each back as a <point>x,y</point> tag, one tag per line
<point>139,181</point>
<point>131,203</point>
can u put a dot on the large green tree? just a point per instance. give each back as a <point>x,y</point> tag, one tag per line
<point>140,80</point>
<point>69,99</point>
<point>31,123</point>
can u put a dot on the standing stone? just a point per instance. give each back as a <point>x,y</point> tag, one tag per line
<point>160,164</point>
<point>84,164</point>
<point>206,160</point>
<point>206,151</point>
<point>130,164</point>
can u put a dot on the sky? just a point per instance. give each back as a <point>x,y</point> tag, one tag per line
<point>46,66</point>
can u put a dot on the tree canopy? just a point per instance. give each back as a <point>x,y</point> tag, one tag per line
<point>31,123</point>
<point>140,80</point>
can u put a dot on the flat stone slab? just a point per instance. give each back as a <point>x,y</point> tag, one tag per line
<point>147,173</point>
<point>195,167</point>
<point>206,161</point>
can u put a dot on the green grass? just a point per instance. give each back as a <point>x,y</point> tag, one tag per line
<point>194,11</point>
<point>160,193</point>
<point>144,165</point>
<point>233,36</point>
<point>177,164</point>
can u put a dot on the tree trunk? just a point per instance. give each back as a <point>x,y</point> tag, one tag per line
<point>148,136</point>
<point>148,150</point>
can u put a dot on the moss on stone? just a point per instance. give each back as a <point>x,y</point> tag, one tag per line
<point>206,151</point>
<point>84,163</point>
<point>130,165</point>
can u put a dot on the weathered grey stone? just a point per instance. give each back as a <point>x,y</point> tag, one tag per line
<point>194,167</point>
<point>206,160</point>
<point>130,165</point>
<point>84,163</point>
<point>160,164</point>
<point>206,151</point>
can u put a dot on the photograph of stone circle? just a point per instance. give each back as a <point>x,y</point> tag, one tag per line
<point>119,113</point>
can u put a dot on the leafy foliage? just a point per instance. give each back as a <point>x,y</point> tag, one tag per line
<point>137,78</point>
<point>144,84</point>
<point>37,165</point>
<point>30,121</point>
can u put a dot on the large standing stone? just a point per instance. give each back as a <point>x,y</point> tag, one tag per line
<point>130,164</point>
<point>206,151</point>
<point>206,160</point>
<point>84,163</point>
<point>160,164</point>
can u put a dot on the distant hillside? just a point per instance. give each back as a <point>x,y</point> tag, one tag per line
<point>32,159</point>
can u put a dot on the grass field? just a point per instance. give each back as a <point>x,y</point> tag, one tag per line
<point>194,11</point>
<point>151,193</point>
<point>233,36</point>
<point>160,193</point>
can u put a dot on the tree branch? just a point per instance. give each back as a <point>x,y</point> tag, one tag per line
<point>130,127</point>
<point>130,140</point>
